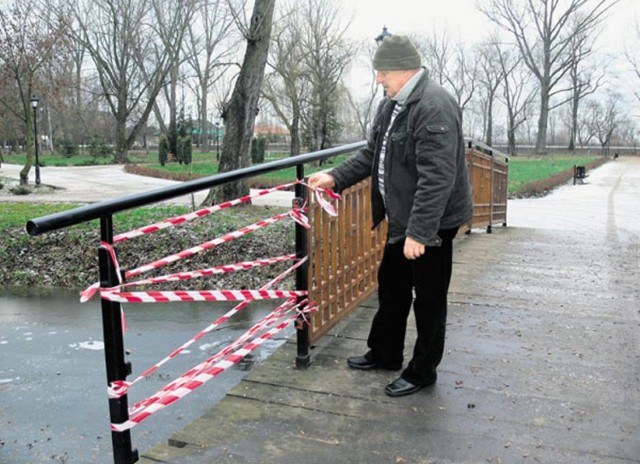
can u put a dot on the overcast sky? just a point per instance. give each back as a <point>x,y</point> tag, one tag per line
<point>462,19</point>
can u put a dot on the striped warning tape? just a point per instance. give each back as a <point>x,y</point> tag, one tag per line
<point>199,376</point>
<point>196,214</point>
<point>119,388</point>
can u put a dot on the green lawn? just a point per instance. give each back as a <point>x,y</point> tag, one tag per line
<point>526,169</point>
<point>522,169</point>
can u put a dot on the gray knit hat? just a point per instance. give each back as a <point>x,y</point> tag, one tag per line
<point>396,52</point>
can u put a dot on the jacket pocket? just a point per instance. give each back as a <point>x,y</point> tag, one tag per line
<point>403,147</point>
<point>437,136</point>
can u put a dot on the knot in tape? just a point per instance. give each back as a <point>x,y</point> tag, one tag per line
<point>118,388</point>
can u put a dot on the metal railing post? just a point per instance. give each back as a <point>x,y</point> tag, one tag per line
<point>303,358</point>
<point>117,368</point>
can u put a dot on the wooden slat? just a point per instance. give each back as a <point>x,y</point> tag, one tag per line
<point>345,253</point>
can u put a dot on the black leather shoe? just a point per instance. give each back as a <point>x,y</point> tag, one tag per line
<point>362,363</point>
<point>401,387</point>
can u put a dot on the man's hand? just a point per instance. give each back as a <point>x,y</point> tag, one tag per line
<point>413,249</point>
<point>322,180</point>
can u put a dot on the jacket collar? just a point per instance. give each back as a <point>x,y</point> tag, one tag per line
<point>416,90</point>
<point>407,89</point>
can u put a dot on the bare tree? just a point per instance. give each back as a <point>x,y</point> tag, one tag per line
<point>633,57</point>
<point>239,113</point>
<point>170,24</point>
<point>328,53</point>
<point>287,86</point>
<point>490,77</point>
<point>585,79</point>
<point>364,106</point>
<point>309,57</point>
<point>517,95</point>
<point>436,50</point>
<point>603,119</point>
<point>29,41</point>
<point>451,65</point>
<point>209,48</point>
<point>542,33</point>
<point>122,38</point>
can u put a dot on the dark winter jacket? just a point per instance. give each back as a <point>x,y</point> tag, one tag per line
<point>426,184</point>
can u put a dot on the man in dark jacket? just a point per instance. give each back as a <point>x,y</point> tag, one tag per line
<point>415,156</point>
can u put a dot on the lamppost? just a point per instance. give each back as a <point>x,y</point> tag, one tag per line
<point>34,105</point>
<point>380,37</point>
<point>217,140</point>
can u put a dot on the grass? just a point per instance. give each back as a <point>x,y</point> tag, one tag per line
<point>524,170</point>
<point>17,214</point>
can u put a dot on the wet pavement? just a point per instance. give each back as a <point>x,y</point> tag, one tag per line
<point>542,361</point>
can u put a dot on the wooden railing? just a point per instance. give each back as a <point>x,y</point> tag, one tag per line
<point>345,252</point>
<point>488,171</point>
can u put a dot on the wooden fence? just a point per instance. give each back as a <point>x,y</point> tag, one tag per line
<point>345,252</point>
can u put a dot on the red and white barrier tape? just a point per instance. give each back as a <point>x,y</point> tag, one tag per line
<point>296,214</point>
<point>207,245</point>
<point>267,321</point>
<point>224,269</point>
<point>198,295</point>
<point>202,374</point>
<point>89,292</point>
<point>196,214</point>
<point>120,388</point>
<point>205,371</point>
<point>261,325</point>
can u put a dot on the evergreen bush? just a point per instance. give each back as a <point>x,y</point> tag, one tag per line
<point>99,148</point>
<point>258,148</point>
<point>163,150</point>
<point>184,150</point>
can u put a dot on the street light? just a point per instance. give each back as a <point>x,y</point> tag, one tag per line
<point>380,37</point>
<point>218,141</point>
<point>384,34</point>
<point>34,105</point>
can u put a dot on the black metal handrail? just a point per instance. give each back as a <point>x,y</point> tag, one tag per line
<point>116,365</point>
<point>107,207</point>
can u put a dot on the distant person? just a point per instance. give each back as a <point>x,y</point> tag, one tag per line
<point>415,156</point>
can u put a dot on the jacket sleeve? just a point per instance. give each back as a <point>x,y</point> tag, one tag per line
<point>436,138</point>
<point>359,166</point>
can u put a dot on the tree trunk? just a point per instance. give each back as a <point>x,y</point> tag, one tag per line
<point>240,113</point>
<point>24,172</point>
<point>489,140</point>
<point>173,104</point>
<point>574,122</point>
<point>294,132</point>
<point>204,121</point>
<point>543,120</point>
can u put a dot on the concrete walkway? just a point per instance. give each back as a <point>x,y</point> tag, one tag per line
<point>542,361</point>
<point>89,184</point>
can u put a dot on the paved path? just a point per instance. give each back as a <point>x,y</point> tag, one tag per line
<point>542,361</point>
<point>89,184</point>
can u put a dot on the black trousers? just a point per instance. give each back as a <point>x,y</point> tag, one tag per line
<point>398,277</point>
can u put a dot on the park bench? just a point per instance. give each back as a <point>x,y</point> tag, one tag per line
<point>579,174</point>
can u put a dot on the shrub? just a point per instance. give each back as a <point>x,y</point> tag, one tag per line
<point>67,148</point>
<point>98,148</point>
<point>163,150</point>
<point>258,148</point>
<point>184,150</point>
